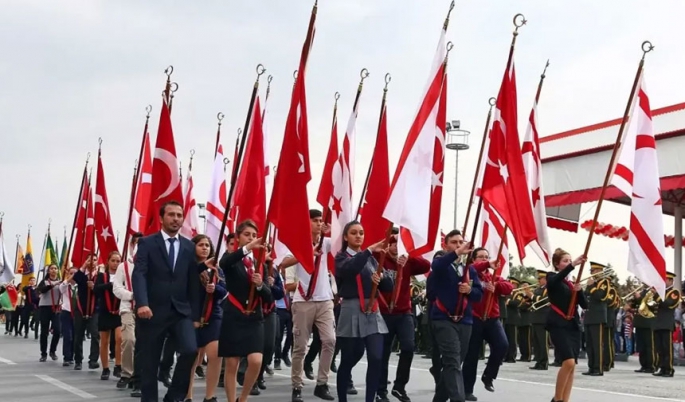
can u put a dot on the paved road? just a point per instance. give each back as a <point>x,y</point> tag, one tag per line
<point>23,378</point>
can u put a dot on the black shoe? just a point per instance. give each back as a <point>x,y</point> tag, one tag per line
<point>200,372</point>
<point>261,384</point>
<point>351,390</point>
<point>471,397</point>
<point>212,399</point>
<point>66,363</point>
<point>221,381</point>
<point>334,368</point>
<point>105,374</point>
<point>117,372</point>
<point>487,382</point>
<point>164,378</point>
<point>123,383</point>
<point>322,391</point>
<point>136,393</point>
<point>78,367</point>
<point>26,336</point>
<point>53,356</point>
<point>286,361</point>
<point>308,371</point>
<point>93,365</point>
<point>297,394</point>
<point>382,396</point>
<point>401,395</point>
<point>240,377</point>
<point>255,391</point>
<point>277,364</point>
<point>269,370</point>
<point>43,359</point>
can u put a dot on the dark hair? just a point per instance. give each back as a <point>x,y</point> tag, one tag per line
<point>162,210</point>
<point>111,253</point>
<point>474,253</point>
<point>315,213</point>
<point>439,254</point>
<point>452,233</point>
<point>248,223</point>
<point>395,231</point>
<point>230,236</point>
<point>201,237</point>
<point>557,256</point>
<point>345,230</point>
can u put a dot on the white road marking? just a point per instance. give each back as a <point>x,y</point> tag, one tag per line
<point>66,387</point>
<point>8,362</point>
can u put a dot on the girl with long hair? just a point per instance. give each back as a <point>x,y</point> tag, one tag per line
<point>48,312</point>
<point>242,326</point>
<point>208,334</point>
<point>109,319</point>
<point>564,328</point>
<point>359,330</point>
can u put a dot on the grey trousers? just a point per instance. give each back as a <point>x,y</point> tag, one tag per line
<point>452,340</point>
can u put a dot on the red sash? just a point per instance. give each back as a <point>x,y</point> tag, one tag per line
<point>255,302</point>
<point>360,294</point>
<point>557,310</point>
<point>90,297</point>
<point>71,301</point>
<point>210,300</point>
<point>462,300</point>
<point>56,308</point>
<point>112,306</point>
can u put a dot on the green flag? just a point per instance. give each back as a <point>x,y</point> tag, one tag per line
<point>50,254</point>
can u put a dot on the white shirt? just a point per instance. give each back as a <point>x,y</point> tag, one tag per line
<point>66,300</point>
<point>177,245</point>
<point>121,289</point>
<point>323,290</point>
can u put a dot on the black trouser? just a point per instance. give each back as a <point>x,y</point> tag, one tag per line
<point>352,350</point>
<point>663,343</point>
<point>540,345</point>
<point>452,339</point>
<point>25,319</point>
<point>512,338</point>
<point>436,361</point>
<point>644,345</point>
<point>490,331</point>
<point>400,327</point>
<point>137,361</point>
<point>48,319</point>
<point>284,328</point>
<point>270,324</point>
<point>15,319</point>
<point>608,344</point>
<point>525,338</point>
<point>168,354</point>
<point>595,347</point>
<point>81,325</point>
<point>8,321</point>
<point>314,347</point>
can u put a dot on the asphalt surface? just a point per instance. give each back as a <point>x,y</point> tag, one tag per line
<point>23,378</point>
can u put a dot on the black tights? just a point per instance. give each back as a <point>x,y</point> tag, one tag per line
<point>352,350</point>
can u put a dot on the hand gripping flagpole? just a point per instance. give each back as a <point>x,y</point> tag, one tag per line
<point>646,48</point>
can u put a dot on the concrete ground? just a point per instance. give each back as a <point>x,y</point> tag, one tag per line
<point>23,378</point>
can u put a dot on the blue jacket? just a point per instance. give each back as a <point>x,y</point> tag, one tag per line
<point>218,295</point>
<point>444,284</point>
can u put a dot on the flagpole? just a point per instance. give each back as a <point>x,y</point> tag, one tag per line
<point>219,116</point>
<point>491,102</point>
<point>78,207</point>
<point>136,176</point>
<point>388,78</point>
<point>42,253</point>
<point>170,88</point>
<point>334,121</point>
<point>16,258</point>
<point>237,162</point>
<point>95,260</point>
<point>646,48</point>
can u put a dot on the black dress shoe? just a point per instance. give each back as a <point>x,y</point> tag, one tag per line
<point>164,378</point>
<point>277,365</point>
<point>401,395</point>
<point>105,374</point>
<point>261,384</point>
<point>93,365</point>
<point>136,392</point>
<point>487,382</point>
<point>286,361</point>
<point>43,359</point>
<point>308,371</point>
<point>117,372</point>
<point>78,366</point>
<point>351,390</point>
<point>382,396</point>
<point>255,390</point>
<point>297,395</point>
<point>322,391</point>
<point>123,383</point>
<point>471,398</point>
<point>53,356</point>
<point>334,368</point>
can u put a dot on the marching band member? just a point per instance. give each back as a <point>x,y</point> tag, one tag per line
<point>86,315</point>
<point>123,290</point>
<point>644,335</point>
<point>609,344</point>
<point>564,330</point>
<point>312,304</point>
<point>664,322</point>
<point>66,317</point>
<point>538,319</point>
<point>524,328</point>
<point>486,324</point>
<point>455,287</point>
<point>208,334</point>
<point>513,320</point>
<point>108,315</point>
<point>242,326</point>
<point>48,310</point>
<point>397,313</point>
<point>359,329</point>
<point>596,320</point>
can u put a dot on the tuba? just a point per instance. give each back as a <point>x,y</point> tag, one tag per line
<point>647,302</point>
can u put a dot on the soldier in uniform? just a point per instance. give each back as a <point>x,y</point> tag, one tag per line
<point>524,328</point>
<point>538,319</point>
<point>644,336</point>
<point>596,320</point>
<point>512,322</point>
<point>613,304</point>
<point>664,323</point>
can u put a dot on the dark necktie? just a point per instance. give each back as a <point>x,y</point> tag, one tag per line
<point>172,252</point>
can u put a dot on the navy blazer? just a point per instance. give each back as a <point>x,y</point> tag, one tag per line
<point>160,288</point>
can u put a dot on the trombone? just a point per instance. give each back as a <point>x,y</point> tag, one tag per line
<point>525,288</point>
<point>632,294</point>
<point>544,302</point>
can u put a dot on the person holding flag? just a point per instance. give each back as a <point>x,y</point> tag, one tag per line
<point>86,315</point>
<point>48,311</point>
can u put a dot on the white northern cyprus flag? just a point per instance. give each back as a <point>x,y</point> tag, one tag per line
<point>636,174</point>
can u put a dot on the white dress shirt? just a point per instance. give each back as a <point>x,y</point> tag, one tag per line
<point>177,245</point>
<point>323,290</point>
<point>121,289</point>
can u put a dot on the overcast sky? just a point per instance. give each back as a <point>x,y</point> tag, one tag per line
<point>73,71</point>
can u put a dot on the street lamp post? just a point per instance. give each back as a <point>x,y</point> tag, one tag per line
<point>202,215</point>
<point>457,140</point>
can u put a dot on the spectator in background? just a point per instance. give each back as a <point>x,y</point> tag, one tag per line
<point>628,329</point>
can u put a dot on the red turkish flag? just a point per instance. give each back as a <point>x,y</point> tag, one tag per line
<point>77,255</point>
<point>107,241</point>
<point>166,179</point>
<point>325,193</point>
<point>250,191</point>
<point>378,187</point>
<point>142,192</point>
<point>289,206</point>
<point>504,181</point>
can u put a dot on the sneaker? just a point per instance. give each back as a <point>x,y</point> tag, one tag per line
<point>401,395</point>
<point>382,396</point>
<point>297,395</point>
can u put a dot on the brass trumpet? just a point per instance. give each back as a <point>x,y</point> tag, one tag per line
<point>632,294</point>
<point>544,302</point>
<point>524,288</point>
<point>646,305</point>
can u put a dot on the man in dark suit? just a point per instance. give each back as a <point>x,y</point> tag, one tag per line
<point>166,288</point>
